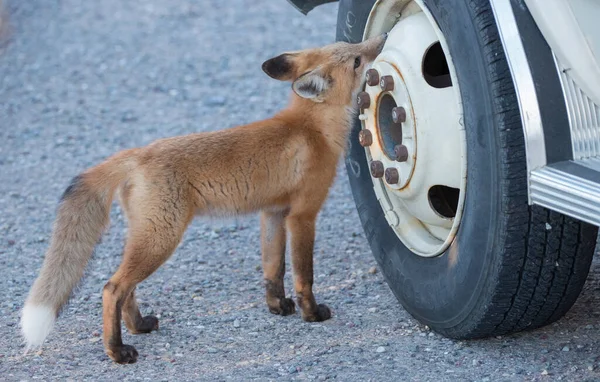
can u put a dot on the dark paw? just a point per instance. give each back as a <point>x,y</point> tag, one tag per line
<point>286,307</point>
<point>148,324</point>
<point>123,354</point>
<point>322,313</point>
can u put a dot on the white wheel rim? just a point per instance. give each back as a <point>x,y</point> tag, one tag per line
<point>419,207</point>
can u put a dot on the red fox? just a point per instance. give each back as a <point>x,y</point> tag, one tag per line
<point>282,167</point>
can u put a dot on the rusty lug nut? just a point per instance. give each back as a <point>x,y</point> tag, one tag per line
<point>392,176</point>
<point>372,77</point>
<point>398,114</point>
<point>377,169</point>
<point>365,138</point>
<point>386,83</point>
<point>401,153</point>
<point>363,100</point>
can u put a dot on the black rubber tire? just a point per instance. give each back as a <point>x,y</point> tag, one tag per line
<point>518,267</point>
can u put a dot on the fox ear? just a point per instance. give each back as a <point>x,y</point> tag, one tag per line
<point>280,67</point>
<point>311,85</point>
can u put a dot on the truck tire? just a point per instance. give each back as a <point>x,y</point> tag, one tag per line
<point>515,266</point>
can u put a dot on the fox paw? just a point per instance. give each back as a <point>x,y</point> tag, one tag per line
<point>148,324</point>
<point>123,354</point>
<point>285,308</point>
<point>322,313</point>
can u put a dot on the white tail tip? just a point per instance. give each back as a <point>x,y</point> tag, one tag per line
<point>36,323</point>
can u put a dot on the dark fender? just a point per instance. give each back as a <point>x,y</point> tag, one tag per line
<point>306,6</point>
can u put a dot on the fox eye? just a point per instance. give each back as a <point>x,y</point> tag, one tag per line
<point>356,62</point>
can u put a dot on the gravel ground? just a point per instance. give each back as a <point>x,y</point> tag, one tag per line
<point>81,80</point>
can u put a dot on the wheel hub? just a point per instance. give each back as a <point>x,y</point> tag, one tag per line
<point>391,122</point>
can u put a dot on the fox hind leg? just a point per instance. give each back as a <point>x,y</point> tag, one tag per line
<point>153,236</point>
<point>134,321</point>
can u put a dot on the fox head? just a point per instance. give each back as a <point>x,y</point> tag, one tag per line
<point>330,74</point>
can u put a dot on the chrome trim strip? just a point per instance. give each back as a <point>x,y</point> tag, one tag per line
<point>523,82</point>
<point>566,193</point>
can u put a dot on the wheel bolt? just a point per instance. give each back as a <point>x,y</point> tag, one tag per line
<point>372,77</point>
<point>365,138</point>
<point>377,169</point>
<point>398,114</point>
<point>401,153</point>
<point>386,83</point>
<point>363,100</point>
<point>392,176</point>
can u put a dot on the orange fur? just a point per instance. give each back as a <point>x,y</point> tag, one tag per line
<point>282,166</point>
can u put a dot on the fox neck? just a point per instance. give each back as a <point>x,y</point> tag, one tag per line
<point>333,121</point>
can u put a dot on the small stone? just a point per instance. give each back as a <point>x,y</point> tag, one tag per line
<point>544,351</point>
<point>380,349</point>
<point>590,367</point>
<point>236,323</point>
<point>548,227</point>
<point>95,339</point>
<point>372,310</point>
<point>159,89</point>
<point>215,101</point>
<point>372,270</point>
<point>212,350</point>
<point>475,362</point>
<point>566,348</point>
<point>292,369</point>
<point>128,117</point>
<point>545,372</point>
